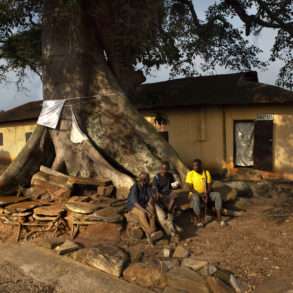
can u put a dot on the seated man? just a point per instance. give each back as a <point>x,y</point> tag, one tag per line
<point>163,184</point>
<point>141,205</point>
<point>199,182</point>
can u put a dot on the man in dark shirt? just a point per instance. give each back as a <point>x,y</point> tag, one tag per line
<point>162,185</point>
<point>141,204</point>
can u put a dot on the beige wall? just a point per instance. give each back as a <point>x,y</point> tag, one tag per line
<point>196,133</point>
<point>283,143</point>
<point>13,139</point>
<point>201,133</point>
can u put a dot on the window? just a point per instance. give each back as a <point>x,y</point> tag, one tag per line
<point>27,136</point>
<point>1,139</point>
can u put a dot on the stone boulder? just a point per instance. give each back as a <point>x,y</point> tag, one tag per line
<point>228,193</point>
<point>242,204</point>
<point>231,190</point>
<point>145,275</point>
<point>107,258</point>
<point>263,189</point>
<point>67,247</point>
<point>180,252</point>
<point>188,280</point>
<point>217,286</point>
<point>194,264</point>
<point>243,188</point>
<point>136,253</point>
<point>103,232</point>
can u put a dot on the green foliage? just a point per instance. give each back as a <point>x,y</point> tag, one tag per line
<point>274,14</point>
<point>20,36</point>
<point>164,32</point>
<point>22,50</point>
<point>283,50</point>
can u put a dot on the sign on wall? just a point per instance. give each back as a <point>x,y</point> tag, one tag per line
<point>266,117</point>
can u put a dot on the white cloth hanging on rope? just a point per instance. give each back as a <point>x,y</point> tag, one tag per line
<point>76,135</point>
<point>50,114</point>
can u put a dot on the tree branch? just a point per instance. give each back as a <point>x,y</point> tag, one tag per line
<point>249,20</point>
<point>195,18</point>
<point>288,27</point>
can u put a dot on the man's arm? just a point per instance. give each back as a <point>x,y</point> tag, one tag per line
<point>190,187</point>
<point>209,188</point>
<point>208,179</point>
<point>208,182</point>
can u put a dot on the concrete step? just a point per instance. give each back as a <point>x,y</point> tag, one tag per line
<point>66,275</point>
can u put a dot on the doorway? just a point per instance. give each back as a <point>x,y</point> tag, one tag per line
<point>263,145</point>
<point>253,144</point>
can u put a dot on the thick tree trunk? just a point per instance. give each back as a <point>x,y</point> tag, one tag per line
<point>121,143</point>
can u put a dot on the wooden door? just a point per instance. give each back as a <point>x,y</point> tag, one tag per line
<point>263,145</point>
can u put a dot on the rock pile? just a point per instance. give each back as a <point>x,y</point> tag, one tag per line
<point>179,272</point>
<point>55,199</point>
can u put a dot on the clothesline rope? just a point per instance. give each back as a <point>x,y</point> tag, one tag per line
<point>78,98</point>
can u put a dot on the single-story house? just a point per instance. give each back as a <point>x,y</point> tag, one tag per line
<point>16,127</point>
<point>229,121</point>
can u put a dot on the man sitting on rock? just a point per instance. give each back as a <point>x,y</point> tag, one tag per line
<point>141,205</point>
<point>164,184</point>
<point>199,182</point>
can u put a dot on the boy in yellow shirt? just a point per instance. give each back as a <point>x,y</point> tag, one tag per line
<point>199,182</point>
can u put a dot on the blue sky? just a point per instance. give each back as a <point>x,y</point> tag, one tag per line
<point>11,96</point>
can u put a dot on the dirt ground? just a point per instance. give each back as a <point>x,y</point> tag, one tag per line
<point>257,246</point>
<point>12,280</point>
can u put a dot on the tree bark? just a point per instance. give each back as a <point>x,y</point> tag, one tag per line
<point>121,143</point>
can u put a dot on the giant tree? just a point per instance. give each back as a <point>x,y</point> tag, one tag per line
<point>92,50</point>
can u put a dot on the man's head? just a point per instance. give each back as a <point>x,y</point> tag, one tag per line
<point>197,165</point>
<point>164,168</point>
<point>144,177</point>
